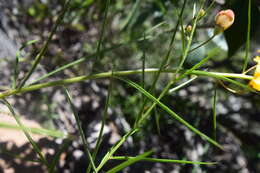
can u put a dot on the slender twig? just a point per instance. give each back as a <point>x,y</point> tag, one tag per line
<point>183,84</point>
<point>248,36</point>
<point>215,114</point>
<point>147,159</point>
<point>17,59</point>
<point>44,49</point>
<point>81,132</point>
<point>27,134</point>
<point>163,62</point>
<point>114,148</point>
<point>202,44</point>
<point>100,41</point>
<point>104,118</point>
<point>116,73</point>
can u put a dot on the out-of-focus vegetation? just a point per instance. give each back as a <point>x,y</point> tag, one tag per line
<point>103,35</point>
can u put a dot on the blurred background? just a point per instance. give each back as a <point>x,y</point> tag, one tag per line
<point>143,29</point>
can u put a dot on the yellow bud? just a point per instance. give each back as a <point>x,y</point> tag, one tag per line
<point>255,82</point>
<point>188,28</point>
<point>201,13</point>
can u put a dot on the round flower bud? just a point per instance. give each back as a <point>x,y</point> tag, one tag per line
<point>201,13</point>
<point>189,29</point>
<point>223,20</point>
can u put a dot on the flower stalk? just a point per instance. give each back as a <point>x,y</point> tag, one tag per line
<point>117,73</point>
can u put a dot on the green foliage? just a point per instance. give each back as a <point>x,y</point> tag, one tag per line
<point>38,10</point>
<point>129,162</point>
<point>151,52</point>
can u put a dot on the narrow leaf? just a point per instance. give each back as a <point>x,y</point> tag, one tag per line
<point>26,132</point>
<point>81,132</point>
<point>129,162</point>
<point>147,159</point>
<point>41,131</point>
<point>173,114</point>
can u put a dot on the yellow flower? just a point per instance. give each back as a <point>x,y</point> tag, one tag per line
<point>255,82</point>
<point>223,20</point>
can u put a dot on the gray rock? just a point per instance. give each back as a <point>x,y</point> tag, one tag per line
<point>7,47</point>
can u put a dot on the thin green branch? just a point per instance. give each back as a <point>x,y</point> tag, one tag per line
<point>175,78</point>
<point>210,6</point>
<point>215,114</point>
<point>143,58</point>
<point>202,44</point>
<point>43,50</point>
<point>166,58</point>
<point>156,101</point>
<point>40,131</point>
<point>183,84</point>
<point>81,132</point>
<point>147,159</point>
<point>163,62</point>
<point>130,15</point>
<point>187,48</point>
<point>114,148</point>
<point>248,36</point>
<point>104,118</point>
<point>100,41</point>
<point>16,64</point>
<point>129,162</point>
<point>82,59</point>
<point>27,134</point>
<point>222,76</point>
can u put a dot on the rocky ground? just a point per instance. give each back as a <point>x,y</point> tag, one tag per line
<point>238,115</point>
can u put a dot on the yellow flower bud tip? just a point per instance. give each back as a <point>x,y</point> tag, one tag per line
<point>223,20</point>
<point>257,60</point>
<point>255,82</point>
<point>257,70</point>
<point>201,13</point>
<point>189,28</point>
<point>258,51</point>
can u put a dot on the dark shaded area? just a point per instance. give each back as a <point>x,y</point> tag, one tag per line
<point>10,155</point>
<point>239,28</point>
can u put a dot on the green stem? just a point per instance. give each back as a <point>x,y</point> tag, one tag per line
<point>117,73</point>
<point>215,114</point>
<point>210,7</point>
<point>100,41</point>
<point>163,62</point>
<point>43,50</point>
<point>168,86</point>
<point>156,101</point>
<point>147,159</point>
<point>80,129</point>
<point>182,85</point>
<point>248,36</point>
<point>104,118</point>
<point>202,44</point>
<point>114,149</point>
<point>27,134</point>
<point>80,60</point>
<point>186,51</point>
